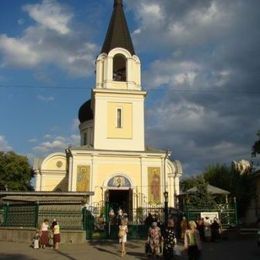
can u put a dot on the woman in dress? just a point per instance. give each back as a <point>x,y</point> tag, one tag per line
<point>122,234</point>
<point>44,233</point>
<point>192,241</point>
<point>154,239</point>
<point>169,240</point>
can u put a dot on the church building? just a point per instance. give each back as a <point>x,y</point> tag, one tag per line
<point>113,160</point>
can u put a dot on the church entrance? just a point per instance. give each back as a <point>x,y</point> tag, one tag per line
<point>121,199</point>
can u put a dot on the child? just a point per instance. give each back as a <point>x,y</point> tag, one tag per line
<point>56,234</point>
<point>36,240</point>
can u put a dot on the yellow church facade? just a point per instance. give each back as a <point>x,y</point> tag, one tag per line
<point>113,160</point>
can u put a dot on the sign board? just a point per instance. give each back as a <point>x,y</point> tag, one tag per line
<point>210,215</point>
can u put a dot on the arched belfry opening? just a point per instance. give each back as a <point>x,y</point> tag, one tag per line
<point>119,67</point>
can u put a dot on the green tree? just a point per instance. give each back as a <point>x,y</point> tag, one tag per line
<point>240,186</point>
<point>201,198</point>
<point>15,172</point>
<point>256,145</point>
<point>188,183</point>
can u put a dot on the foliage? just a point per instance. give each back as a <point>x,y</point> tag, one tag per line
<point>15,172</point>
<point>188,183</point>
<point>240,186</point>
<point>256,145</point>
<point>201,198</point>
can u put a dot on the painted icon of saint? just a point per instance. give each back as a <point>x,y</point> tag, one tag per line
<point>155,188</point>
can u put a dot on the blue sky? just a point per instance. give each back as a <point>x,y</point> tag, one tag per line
<point>200,65</point>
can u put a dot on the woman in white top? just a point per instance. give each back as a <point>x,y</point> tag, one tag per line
<point>122,234</point>
<point>44,233</point>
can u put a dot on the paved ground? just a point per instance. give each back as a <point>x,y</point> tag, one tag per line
<point>244,249</point>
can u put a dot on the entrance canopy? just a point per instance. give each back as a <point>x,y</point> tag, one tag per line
<point>45,197</point>
<point>210,189</point>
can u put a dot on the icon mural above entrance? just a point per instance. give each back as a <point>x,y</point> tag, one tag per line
<point>119,181</point>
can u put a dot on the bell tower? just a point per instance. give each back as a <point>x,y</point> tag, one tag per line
<point>118,99</point>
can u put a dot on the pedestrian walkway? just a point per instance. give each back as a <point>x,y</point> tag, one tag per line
<point>239,249</point>
<point>96,250</point>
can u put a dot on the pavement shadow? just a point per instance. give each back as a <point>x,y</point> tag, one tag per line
<point>105,250</point>
<point>65,255</point>
<point>15,257</point>
<point>112,246</point>
<point>140,256</point>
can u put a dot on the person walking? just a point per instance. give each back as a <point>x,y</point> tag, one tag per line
<point>184,226</point>
<point>44,233</point>
<point>169,240</point>
<point>201,228</point>
<point>56,234</point>
<point>122,235</point>
<point>207,229</point>
<point>154,239</point>
<point>215,230</point>
<point>192,241</point>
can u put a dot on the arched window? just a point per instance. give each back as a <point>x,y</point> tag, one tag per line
<point>85,138</point>
<point>119,118</point>
<point>119,68</point>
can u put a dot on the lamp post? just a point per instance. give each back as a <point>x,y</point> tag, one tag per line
<point>106,205</point>
<point>165,206</point>
<point>107,219</point>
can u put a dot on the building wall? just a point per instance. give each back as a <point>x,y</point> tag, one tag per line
<point>51,173</point>
<point>131,136</point>
<point>92,170</point>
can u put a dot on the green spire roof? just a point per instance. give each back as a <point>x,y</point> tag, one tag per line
<point>118,34</point>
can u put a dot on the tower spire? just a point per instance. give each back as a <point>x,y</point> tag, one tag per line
<point>118,2</point>
<point>117,33</point>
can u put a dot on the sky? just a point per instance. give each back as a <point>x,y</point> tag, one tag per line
<point>200,65</point>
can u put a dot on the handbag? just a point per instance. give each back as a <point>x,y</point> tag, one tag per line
<point>177,250</point>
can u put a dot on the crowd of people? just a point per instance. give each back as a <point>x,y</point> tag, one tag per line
<point>162,238</point>
<point>47,235</point>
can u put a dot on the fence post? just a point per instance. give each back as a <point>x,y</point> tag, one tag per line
<point>36,212</point>
<point>235,208</point>
<point>84,218</point>
<point>6,211</point>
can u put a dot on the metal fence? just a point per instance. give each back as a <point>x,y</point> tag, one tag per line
<point>104,226</point>
<point>227,213</point>
<point>73,217</point>
<point>32,215</point>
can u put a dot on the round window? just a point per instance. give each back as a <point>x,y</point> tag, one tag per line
<point>59,164</point>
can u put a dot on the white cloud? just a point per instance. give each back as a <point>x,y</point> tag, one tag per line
<point>51,15</point>
<point>75,124</point>
<point>18,52</point>
<point>47,136</point>
<point>180,23</point>
<point>75,139</point>
<point>50,40</point>
<point>49,146</point>
<point>46,99</point>
<point>32,140</point>
<point>20,21</point>
<point>4,146</point>
<point>171,72</point>
<point>56,143</point>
